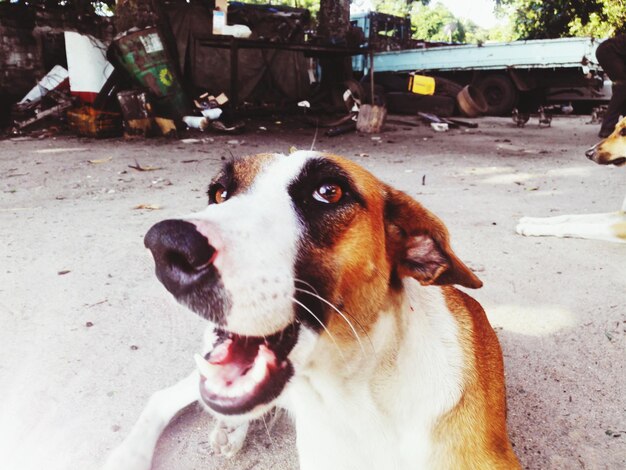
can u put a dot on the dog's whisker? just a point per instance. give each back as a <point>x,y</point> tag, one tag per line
<point>275,417</point>
<point>267,430</point>
<point>341,314</point>
<point>316,294</point>
<point>323,326</point>
<point>314,137</point>
<point>306,284</point>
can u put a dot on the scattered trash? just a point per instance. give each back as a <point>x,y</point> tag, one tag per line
<point>220,126</point>
<point>196,122</point>
<point>148,207</point>
<point>89,324</point>
<point>342,128</point>
<point>100,161</point>
<point>207,101</point>
<point>63,272</point>
<point>137,111</point>
<point>421,84</point>
<point>401,122</point>
<point>190,141</point>
<point>52,104</point>
<point>138,167</point>
<point>86,81</point>
<point>56,78</point>
<point>371,118</point>
<point>440,126</point>
<point>209,107</point>
<point>471,101</point>
<point>451,123</point>
<point>212,113</point>
<point>166,126</point>
<point>89,122</point>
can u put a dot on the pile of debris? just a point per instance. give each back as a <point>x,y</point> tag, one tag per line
<point>143,82</point>
<point>130,87</point>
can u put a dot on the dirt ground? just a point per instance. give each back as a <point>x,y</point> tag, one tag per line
<point>87,333</point>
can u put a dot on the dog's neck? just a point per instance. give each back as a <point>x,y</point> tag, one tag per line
<point>364,391</point>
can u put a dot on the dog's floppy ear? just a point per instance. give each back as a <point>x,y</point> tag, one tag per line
<point>419,246</point>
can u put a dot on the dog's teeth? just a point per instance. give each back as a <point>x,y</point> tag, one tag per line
<point>205,369</point>
<point>261,364</point>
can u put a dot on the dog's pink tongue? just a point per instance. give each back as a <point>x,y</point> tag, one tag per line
<point>234,357</point>
<point>220,353</point>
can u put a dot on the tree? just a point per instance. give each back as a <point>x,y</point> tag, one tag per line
<point>437,23</point>
<point>542,19</point>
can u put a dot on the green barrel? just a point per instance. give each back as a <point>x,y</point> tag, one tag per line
<point>144,55</point>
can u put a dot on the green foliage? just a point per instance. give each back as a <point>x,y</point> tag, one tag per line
<point>312,5</point>
<point>436,23</point>
<point>541,19</point>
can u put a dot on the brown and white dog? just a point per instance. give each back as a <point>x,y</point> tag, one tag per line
<point>609,226</point>
<point>328,293</point>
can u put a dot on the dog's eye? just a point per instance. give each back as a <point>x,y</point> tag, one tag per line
<point>328,193</point>
<point>220,195</point>
<point>622,131</point>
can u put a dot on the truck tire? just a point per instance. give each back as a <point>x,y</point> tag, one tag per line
<point>500,94</point>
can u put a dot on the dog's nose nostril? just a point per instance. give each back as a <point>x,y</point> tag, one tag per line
<point>179,260</point>
<point>181,254</point>
<point>590,152</point>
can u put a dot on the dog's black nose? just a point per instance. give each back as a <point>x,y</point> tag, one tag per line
<point>182,255</point>
<point>591,152</point>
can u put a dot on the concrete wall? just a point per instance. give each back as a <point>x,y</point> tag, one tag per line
<point>20,59</point>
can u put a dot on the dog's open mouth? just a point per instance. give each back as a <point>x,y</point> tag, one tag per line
<point>243,372</point>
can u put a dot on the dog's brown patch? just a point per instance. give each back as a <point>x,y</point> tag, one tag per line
<point>369,255</point>
<point>482,407</point>
<point>238,175</point>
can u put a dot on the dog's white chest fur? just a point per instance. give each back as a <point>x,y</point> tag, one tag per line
<point>380,414</point>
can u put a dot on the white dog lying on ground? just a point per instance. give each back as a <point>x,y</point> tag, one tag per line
<point>609,226</point>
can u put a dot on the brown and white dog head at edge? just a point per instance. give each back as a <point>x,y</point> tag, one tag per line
<point>612,150</point>
<point>305,268</point>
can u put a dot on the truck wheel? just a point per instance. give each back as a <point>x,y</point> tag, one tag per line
<point>500,94</point>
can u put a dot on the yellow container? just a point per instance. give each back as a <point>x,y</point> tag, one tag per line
<point>421,84</point>
<point>89,122</point>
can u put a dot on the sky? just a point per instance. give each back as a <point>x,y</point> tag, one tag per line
<point>479,11</point>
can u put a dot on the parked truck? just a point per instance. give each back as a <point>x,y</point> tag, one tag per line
<point>544,71</point>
